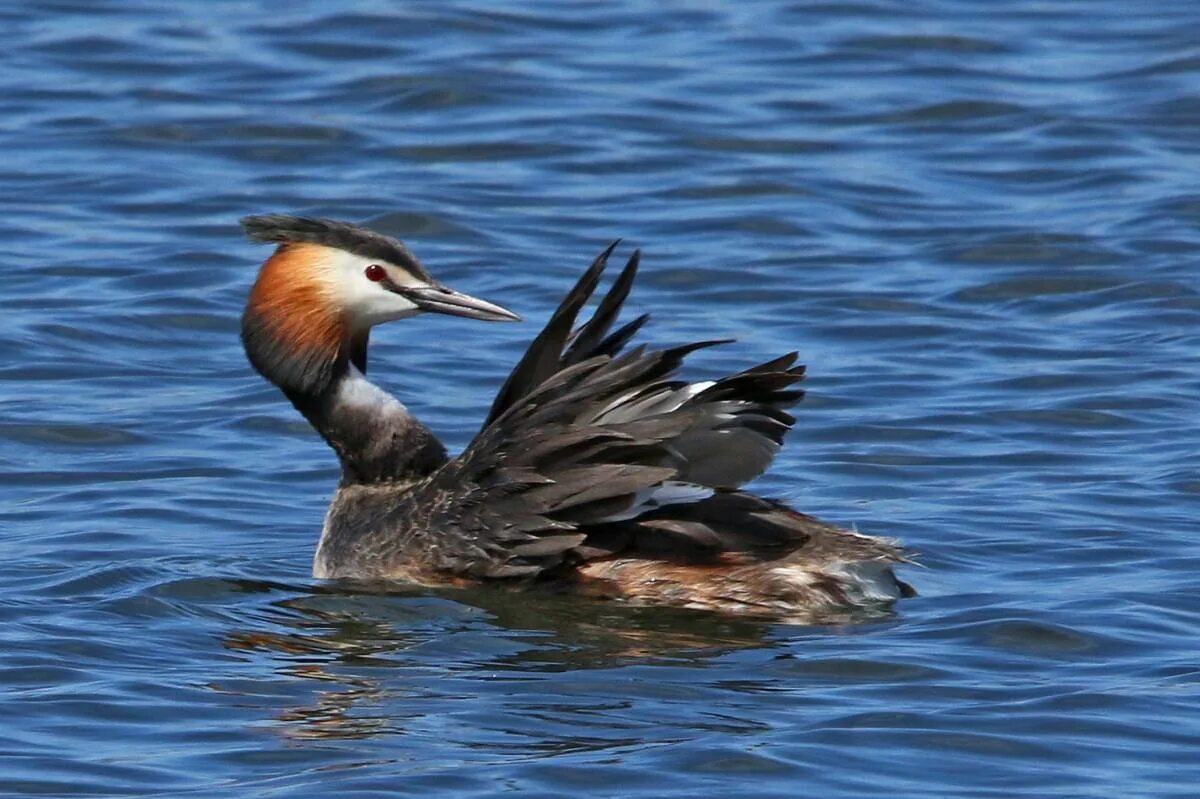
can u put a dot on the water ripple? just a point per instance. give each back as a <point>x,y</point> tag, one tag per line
<point>977,223</point>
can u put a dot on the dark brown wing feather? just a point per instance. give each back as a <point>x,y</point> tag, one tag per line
<point>544,356</point>
<point>582,446</point>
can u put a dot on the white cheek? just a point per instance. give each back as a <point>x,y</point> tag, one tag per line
<point>383,306</point>
<point>367,302</point>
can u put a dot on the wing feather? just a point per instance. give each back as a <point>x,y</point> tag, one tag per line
<point>590,448</point>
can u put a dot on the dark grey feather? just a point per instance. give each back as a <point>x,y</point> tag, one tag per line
<point>589,338</point>
<point>543,357</point>
<point>282,229</point>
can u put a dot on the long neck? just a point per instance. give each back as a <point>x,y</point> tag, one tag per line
<point>373,434</point>
<point>318,361</point>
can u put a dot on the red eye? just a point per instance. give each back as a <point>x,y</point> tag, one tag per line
<point>375,273</point>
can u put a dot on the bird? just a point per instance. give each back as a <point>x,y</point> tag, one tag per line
<point>598,470</point>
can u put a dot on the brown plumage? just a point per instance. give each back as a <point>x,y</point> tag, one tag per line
<point>295,312</point>
<point>597,469</point>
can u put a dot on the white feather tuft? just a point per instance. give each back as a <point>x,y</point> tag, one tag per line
<point>862,580</point>
<point>671,492</point>
<point>356,390</point>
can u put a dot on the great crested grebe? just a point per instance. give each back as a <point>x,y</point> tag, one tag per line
<point>596,468</point>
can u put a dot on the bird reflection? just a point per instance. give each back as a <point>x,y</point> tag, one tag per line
<point>360,646</point>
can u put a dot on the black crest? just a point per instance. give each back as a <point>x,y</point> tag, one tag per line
<point>283,229</point>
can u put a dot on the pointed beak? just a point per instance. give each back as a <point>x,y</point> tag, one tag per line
<point>439,299</point>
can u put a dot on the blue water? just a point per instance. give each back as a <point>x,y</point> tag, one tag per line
<point>979,222</point>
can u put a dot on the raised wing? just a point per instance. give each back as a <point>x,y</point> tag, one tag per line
<point>586,440</point>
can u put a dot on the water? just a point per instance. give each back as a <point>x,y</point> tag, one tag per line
<point>978,222</point>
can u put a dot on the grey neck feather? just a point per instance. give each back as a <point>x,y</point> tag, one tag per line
<point>374,435</point>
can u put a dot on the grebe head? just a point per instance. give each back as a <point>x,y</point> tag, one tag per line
<point>324,287</point>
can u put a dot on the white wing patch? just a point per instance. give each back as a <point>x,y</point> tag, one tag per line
<point>622,409</point>
<point>672,492</point>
